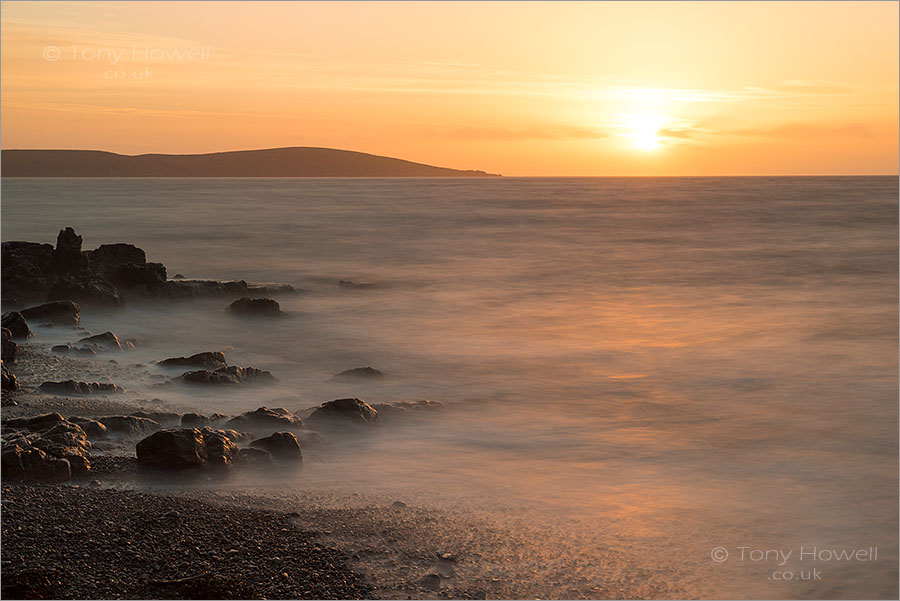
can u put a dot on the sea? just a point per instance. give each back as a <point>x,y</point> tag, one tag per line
<point>651,387</point>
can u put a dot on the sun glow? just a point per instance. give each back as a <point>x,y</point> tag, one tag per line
<point>644,130</point>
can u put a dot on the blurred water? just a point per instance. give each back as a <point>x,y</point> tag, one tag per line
<point>685,363</point>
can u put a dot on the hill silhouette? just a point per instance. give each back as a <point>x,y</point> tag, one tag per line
<point>299,161</point>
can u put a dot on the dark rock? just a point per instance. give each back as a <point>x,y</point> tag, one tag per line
<point>353,285</point>
<point>177,276</point>
<point>24,265</point>
<point>107,341</point>
<point>256,457</point>
<point>432,581</point>
<point>208,360</point>
<point>21,461</point>
<point>67,441</point>
<point>68,349</point>
<point>67,257</point>
<point>95,430</point>
<point>9,382</point>
<point>75,387</point>
<point>359,373</point>
<point>164,418</point>
<point>255,307</point>
<point>220,449</point>
<point>402,407</point>
<point>61,312</point>
<point>107,259</point>
<point>129,425</point>
<point>283,446</point>
<point>352,411</point>
<point>37,423</point>
<point>16,324</point>
<point>194,420</point>
<point>310,439</point>
<point>399,505</point>
<point>10,348</point>
<point>173,449</point>
<point>228,375</point>
<point>87,290</point>
<point>148,275</point>
<point>265,419</point>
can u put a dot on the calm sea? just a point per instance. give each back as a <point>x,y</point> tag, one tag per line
<point>642,369</point>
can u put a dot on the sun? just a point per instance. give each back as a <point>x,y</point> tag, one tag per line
<point>643,130</point>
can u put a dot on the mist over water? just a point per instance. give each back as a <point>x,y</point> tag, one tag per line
<point>637,369</point>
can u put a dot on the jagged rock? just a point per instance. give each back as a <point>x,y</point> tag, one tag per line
<point>10,348</point>
<point>351,411</point>
<point>283,446</point>
<point>235,436</point>
<point>68,441</point>
<point>107,259</point>
<point>24,264</point>
<point>359,373</point>
<point>21,461</point>
<point>75,387</point>
<point>173,449</point>
<point>16,324</point>
<point>163,418</point>
<point>36,423</point>
<point>61,312</point>
<point>400,407</point>
<point>95,430</point>
<point>195,420</point>
<point>9,382</point>
<point>220,449</point>
<point>87,290</point>
<point>107,341</point>
<point>255,307</point>
<point>67,257</point>
<point>37,456</point>
<point>129,425</point>
<point>265,419</point>
<point>207,360</point>
<point>255,457</point>
<point>228,375</point>
<point>131,275</point>
<point>68,349</point>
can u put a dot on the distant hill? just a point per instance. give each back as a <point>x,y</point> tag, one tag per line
<point>274,162</point>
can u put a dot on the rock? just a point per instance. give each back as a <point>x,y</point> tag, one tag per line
<point>148,275</point>
<point>61,312</point>
<point>257,457</point>
<point>195,420</point>
<point>399,505</point>
<point>220,449</point>
<point>350,411</point>
<point>107,341</point>
<point>129,425</point>
<point>75,387</point>
<point>207,360</point>
<point>24,265</point>
<point>163,418</point>
<point>215,288</point>
<point>265,419</point>
<point>400,407</point>
<point>283,446</point>
<point>37,423</point>
<point>107,259</point>
<point>95,430</point>
<point>10,348</point>
<point>16,324</point>
<point>67,257</point>
<point>432,581</point>
<point>255,307</point>
<point>9,382</point>
<point>310,439</point>
<point>228,375</point>
<point>87,290</point>
<point>353,285</point>
<point>235,436</point>
<point>37,457</point>
<point>359,373</point>
<point>173,449</point>
<point>68,349</point>
<point>177,276</point>
<point>21,461</point>
<point>67,441</point>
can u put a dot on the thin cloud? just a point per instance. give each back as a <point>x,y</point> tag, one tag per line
<point>809,131</point>
<point>529,133</point>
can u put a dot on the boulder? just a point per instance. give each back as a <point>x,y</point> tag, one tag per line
<point>37,423</point>
<point>61,312</point>
<point>10,348</point>
<point>228,375</point>
<point>75,387</point>
<point>9,382</point>
<point>310,439</point>
<point>220,449</point>
<point>255,457</point>
<point>67,441</point>
<point>195,420</point>
<point>107,259</point>
<point>67,256</point>
<point>24,265</point>
<point>131,275</point>
<point>359,373</point>
<point>255,307</point>
<point>163,418</point>
<point>22,461</point>
<point>16,324</point>
<point>401,407</point>
<point>207,360</point>
<point>68,349</point>
<point>107,341</point>
<point>129,425</point>
<point>282,446</point>
<point>37,456</point>
<point>346,411</point>
<point>87,290</point>
<point>95,430</point>
<point>265,419</point>
<point>183,448</point>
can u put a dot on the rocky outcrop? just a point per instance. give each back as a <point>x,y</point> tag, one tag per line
<point>344,411</point>
<point>129,426</point>
<point>359,373</point>
<point>24,266</point>
<point>9,382</point>
<point>46,448</point>
<point>207,360</point>
<point>282,446</point>
<point>68,349</point>
<point>255,307</point>
<point>173,449</point>
<point>265,419</point>
<point>163,418</point>
<point>88,290</point>
<point>255,457</point>
<point>221,451</point>
<point>16,324</point>
<point>75,387</point>
<point>397,408</point>
<point>61,312</point>
<point>230,375</point>
<point>195,420</point>
<point>107,341</point>
<point>10,348</point>
<point>94,429</point>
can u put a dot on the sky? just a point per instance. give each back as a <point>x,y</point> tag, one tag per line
<point>518,88</point>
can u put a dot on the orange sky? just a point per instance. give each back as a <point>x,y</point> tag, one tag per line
<point>587,88</point>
